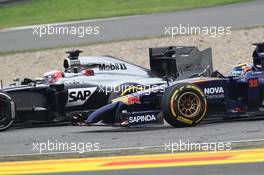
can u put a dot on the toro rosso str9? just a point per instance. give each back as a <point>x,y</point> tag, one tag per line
<point>187,102</point>
<point>90,82</point>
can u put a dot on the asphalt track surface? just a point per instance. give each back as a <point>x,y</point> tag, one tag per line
<point>120,28</point>
<point>20,141</point>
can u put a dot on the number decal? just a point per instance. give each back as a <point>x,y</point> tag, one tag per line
<point>253,83</point>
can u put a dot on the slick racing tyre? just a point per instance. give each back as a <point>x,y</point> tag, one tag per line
<point>183,105</point>
<point>124,89</point>
<point>7,111</point>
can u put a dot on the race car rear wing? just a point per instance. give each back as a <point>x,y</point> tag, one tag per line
<point>181,61</point>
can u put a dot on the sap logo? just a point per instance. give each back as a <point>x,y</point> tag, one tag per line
<point>142,118</point>
<point>109,67</point>
<point>213,90</point>
<point>79,96</point>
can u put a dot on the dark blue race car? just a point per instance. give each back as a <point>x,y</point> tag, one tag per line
<point>187,102</point>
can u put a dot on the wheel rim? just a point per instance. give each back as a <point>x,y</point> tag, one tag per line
<point>189,104</point>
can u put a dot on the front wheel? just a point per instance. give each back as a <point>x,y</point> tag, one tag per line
<point>7,111</point>
<point>184,105</point>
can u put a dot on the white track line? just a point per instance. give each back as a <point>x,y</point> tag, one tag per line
<point>69,23</point>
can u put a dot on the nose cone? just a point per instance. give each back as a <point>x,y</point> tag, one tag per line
<point>106,113</point>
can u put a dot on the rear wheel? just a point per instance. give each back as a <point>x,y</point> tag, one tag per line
<point>184,105</point>
<point>7,111</point>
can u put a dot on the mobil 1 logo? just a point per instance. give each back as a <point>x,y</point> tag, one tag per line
<point>112,66</point>
<point>78,96</point>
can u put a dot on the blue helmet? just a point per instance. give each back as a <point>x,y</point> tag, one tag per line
<point>241,69</point>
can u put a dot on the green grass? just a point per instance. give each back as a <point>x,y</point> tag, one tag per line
<point>49,11</point>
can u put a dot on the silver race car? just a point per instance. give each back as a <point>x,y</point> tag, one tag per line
<point>90,82</point>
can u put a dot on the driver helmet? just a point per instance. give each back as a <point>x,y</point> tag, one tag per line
<point>53,76</point>
<point>241,69</point>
